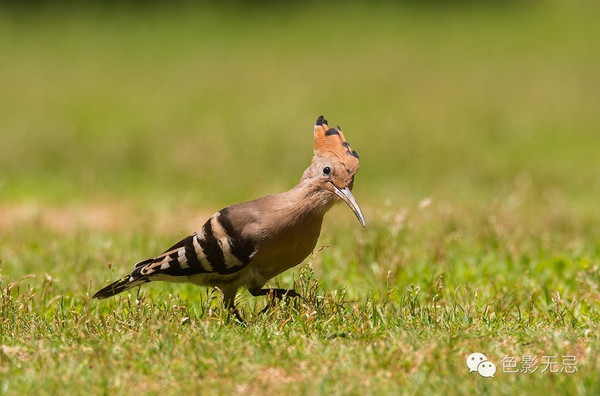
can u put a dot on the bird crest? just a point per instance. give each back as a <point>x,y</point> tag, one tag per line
<point>330,142</point>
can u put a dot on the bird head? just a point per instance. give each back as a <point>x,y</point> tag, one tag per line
<point>334,165</point>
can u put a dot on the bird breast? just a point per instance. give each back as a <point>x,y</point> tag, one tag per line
<point>287,245</point>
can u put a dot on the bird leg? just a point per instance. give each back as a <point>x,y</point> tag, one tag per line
<point>233,310</point>
<point>272,294</point>
<point>229,303</point>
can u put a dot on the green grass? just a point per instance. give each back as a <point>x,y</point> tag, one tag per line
<point>121,132</point>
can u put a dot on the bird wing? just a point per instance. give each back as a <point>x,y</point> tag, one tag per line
<point>225,244</point>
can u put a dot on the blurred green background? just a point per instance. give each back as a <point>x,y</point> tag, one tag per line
<point>206,105</point>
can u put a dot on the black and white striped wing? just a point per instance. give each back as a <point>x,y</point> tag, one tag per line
<point>224,245</point>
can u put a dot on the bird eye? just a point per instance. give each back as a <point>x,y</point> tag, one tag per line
<point>326,170</point>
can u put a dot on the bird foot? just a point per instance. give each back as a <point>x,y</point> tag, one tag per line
<point>273,294</point>
<point>234,311</point>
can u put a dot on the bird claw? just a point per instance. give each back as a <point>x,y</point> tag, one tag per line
<point>279,294</point>
<point>234,311</point>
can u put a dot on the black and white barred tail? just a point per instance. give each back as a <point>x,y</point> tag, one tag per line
<point>119,286</point>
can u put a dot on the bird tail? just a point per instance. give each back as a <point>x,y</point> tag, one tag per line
<point>119,286</point>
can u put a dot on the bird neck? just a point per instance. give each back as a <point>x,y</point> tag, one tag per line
<point>308,197</point>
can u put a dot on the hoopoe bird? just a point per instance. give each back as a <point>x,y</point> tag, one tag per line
<point>247,244</point>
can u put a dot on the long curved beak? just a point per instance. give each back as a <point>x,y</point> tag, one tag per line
<point>346,195</point>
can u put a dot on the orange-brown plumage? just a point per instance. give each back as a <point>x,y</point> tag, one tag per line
<point>331,143</point>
